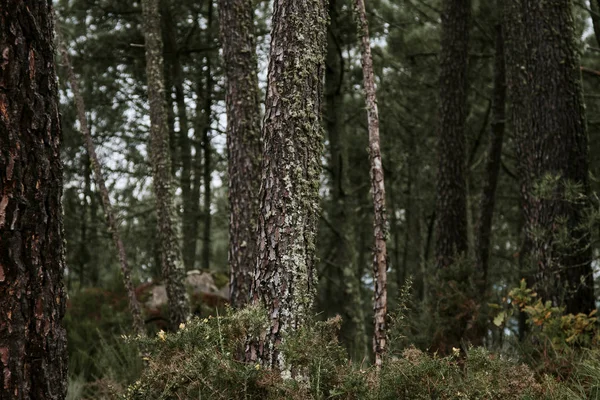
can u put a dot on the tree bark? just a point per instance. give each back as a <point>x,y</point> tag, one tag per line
<point>548,116</point>
<point>188,220</point>
<point>377,190</point>
<point>289,197</point>
<point>111,220</point>
<point>494,153</point>
<point>33,342</point>
<point>451,203</point>
<point>172,267</point>
<point>244,144</point>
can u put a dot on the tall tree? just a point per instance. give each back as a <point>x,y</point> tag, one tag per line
<point>548,117</point>
<point>244,145</point>
<point>207,150</point>
<point>289,197</point>
<point>33,348</point>
<point>172,267</point>
<point>451,235</point>
<point>189,220</point>
<point>340,272</point>
<point>111,220</point>
<point>377,190</point>
<point>451,203</point>
<point>494,153</point>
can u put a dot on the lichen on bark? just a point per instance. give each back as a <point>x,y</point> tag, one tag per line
<point>171,264</point>
<point>244,144</point>
<point>285,273</point>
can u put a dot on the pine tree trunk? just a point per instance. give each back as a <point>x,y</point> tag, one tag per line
<point>189,240</point>
<point>207,147</point>
<point>548,116</point>
<point>172,267</point>
<point>451,203</point>
<point>33,343</point>
<point>494,153</point>
<point>377,190</point>
<point>285,280</point>
<point>340,274</point>
<point>111,220</point>
<point>244,144</point>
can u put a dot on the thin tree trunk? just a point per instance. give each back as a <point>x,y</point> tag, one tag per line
<point>172,267</point>
<point>111,220</point>
<point>83,253</point>
<point>340,275</point>
<point>33,342</point>
<point>378,192</point>
<point>544,82</point>
<point>285,280</point>
<point>207,148</point>
<point>244,144</point>
<point>189,242</point>
<point>492,168</point>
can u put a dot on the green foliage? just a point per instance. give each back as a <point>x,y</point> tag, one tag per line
<point>201,360</point>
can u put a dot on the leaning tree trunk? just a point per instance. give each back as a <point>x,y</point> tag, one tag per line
<point>492,167</point>
<point>172,268</point>
<point>244,145</point>
<point>111,220</point>
<point>33,343</point>
<point>285,280</point>
<point>548,116</point>
<point>378,191</point>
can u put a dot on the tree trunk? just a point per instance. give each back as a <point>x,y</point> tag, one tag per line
<point>341,276</point>
<point>289,197</point>
<point>206,147</point>
<point>451,203</point>
<point>244,144</point>
<point>111,220</point>
<point>33,343</point>
<point>172,268</point>
<point>548,115</point>
<point>492,168</point>
<point>377,190</point>
<point>189,242</point>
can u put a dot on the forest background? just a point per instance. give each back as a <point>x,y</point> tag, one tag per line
<point>441,98</point>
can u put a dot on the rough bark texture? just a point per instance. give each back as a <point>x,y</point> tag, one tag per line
<point>244,144</point>
<point>171,265</point>
<point>33,347</point>
<point>492,168</point>
<point>377,190</point>
<point>289,197</point>
<point>548,116</point>
<point>111,220</point>
<point>451,203</point>
<point>340,272</point>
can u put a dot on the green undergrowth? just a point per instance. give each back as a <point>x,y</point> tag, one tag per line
<point>201,361</point>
